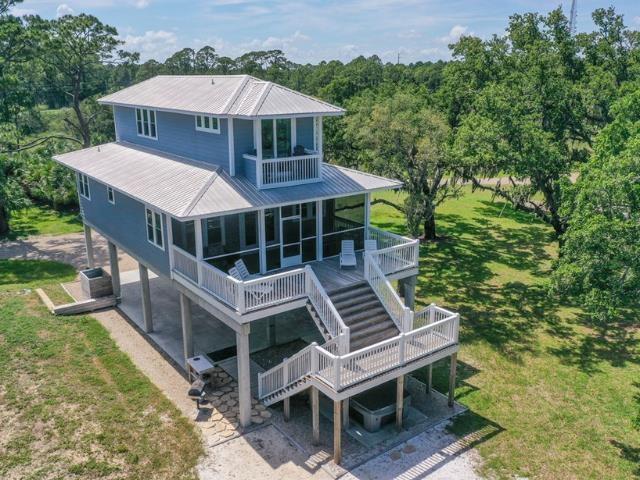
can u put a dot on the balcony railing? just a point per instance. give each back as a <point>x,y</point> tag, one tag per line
<point>281,172</point>
<point>266,291</point>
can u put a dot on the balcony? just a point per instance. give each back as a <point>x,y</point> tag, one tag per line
<point>282,172</point>
<point>394,255</point>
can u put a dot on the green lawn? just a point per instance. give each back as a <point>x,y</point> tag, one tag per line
<point>42,220</point>
<point>549,396</point>
<point>72,405</point>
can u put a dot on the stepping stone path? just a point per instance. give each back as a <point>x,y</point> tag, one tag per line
<point>222,398</point>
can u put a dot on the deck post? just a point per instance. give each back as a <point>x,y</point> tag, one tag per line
<point>88,241</point>
<point>315,415</point>
<point>115,269</point>
<point>271,331</point>
<point>452,378</point>
<point>399,401</point>
<point>187,329</point>
<point>345,413</point>
<point>244,378</point>
<point>408,291</point>
<point>287,408</point>
<point>337,432</point>
<point>430,379</point>
<point>146,298</point>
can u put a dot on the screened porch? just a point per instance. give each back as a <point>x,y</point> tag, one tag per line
<point>281,247</point>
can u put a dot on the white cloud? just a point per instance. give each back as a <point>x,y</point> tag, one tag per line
<point>64,9</point>
<point>20,12</point>
<point>409,34</point>
<point>158,44</point>
<point>454,34</point>
<point>141,3</point>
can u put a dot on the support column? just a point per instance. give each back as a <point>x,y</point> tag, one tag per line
<point>430,379</point>
<point>88,241</point>
<point>452,378</point>
<point>286,403</point>
<point>337,432</point>
<point>409,291</point>
<point>271,331</point>
<point>315,415</point>
<point>115,269</point>
<point>187,329</point>
<point>146,298</point>
<point>399,401</point>
<point>345,413</point>
<point>244,378</point>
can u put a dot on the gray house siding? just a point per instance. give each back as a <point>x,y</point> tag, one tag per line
<point>125,223</point>
<point>242,142</point>
<point>177,134</point>
<point>304,132</point>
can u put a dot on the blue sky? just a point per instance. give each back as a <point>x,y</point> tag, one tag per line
<point>312,31</point>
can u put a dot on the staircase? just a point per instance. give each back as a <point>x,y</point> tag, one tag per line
<point>364,314</point>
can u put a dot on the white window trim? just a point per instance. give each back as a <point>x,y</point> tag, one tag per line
<point>113,196</point>
<point>203,128</point>
<point>155,115</point>
<point>153,220</point>
<point>83,181</point>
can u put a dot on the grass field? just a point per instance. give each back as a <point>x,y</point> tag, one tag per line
<point>42,220</point>
<point>550,396</point>
<point>72,405</point>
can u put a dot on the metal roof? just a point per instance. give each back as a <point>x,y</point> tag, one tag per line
<point>186,189</point>
<point>224,95</point>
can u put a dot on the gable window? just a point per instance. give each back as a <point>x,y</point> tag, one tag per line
<point>207,123</point>
<point>146,123</point>
<point>111,196</point>
<point>154,228</point>
<point>83,186</point>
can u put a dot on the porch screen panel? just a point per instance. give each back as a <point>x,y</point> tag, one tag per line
<point>231,237</point>
<point>342,219</point>
<point>184,235</point>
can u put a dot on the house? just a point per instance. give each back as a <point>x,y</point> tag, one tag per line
<point>209,170</point>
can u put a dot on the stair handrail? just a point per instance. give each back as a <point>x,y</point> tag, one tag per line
<point>401,315</point>
<point>326,310</point>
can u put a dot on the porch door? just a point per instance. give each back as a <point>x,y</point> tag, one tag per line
<point>290,226</point>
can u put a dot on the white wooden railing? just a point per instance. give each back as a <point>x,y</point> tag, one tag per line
<point>327,311</point>
<point>280,172</point>
<point>429,315</point>
<point>401,315</point>
<point>242,296</point>
<point>342,371</point>
<point>395,252</point>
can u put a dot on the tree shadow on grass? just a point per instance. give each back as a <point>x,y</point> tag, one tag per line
<point>616,343</point>
<point>626,451</point>
<point>462,271</point>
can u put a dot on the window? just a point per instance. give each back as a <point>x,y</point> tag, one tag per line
<point>207,123</point>
<point>184,235</point>
<point>111,196</point>
<point>342,219</point>
<point>146,122</point>
<point>154,228</point>
<point>83,186</point>
<point>280,130</point>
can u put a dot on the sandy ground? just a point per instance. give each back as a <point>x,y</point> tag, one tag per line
<point>64,248</point>
<point>264,453</point>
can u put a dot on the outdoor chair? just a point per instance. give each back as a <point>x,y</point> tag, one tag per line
<point>348,254</point>
<point>370,245</point>
<point>257,290</point>
<point>244,271</point>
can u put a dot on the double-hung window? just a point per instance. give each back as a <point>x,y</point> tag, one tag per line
<point>154,228</point>
<point>83,186</point>
<point>207,123</point>
<point>146,123</point>
<point>111,196</point>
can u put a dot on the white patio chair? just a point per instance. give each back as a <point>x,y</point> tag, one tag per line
<point>370,245</point>
<point>348,254</point>
<point>244,271</point>
<point>233,271</point>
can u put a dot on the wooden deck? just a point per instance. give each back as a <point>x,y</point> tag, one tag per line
<point>333,277</point>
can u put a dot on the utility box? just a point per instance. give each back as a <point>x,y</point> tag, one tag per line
<point>95,283</point>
